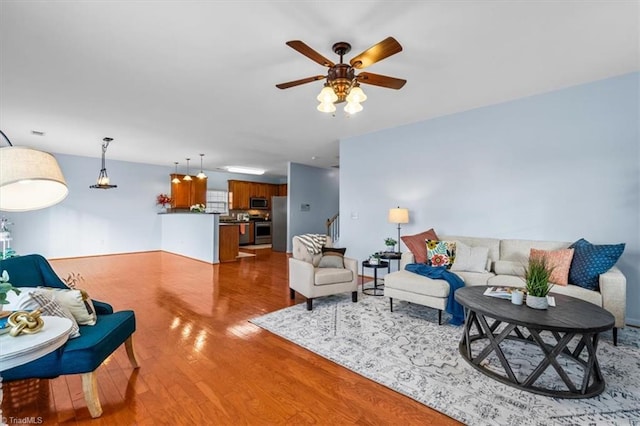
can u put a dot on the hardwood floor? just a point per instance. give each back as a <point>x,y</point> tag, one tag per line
<point>201,361</point>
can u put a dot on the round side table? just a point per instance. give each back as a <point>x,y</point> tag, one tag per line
<point>376,290</point>
<point>27,347</point>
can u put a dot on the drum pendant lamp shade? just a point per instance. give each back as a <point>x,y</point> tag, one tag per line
<point>29,179</point>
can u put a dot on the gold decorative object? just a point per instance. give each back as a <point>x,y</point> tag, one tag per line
<point>25,322</point>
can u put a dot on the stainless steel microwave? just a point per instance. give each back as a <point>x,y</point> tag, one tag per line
<point>258,203</point>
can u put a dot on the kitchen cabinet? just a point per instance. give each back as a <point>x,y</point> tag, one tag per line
<point>229,242</point>
<point>240,192</point>
<point>187,193</point>
<point>282,190</point>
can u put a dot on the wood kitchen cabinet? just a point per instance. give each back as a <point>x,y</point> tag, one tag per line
<point>282,190</point>
<point>187,193</point>
<point>240,193</point>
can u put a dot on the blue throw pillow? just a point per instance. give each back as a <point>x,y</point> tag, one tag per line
<point>590,260</point>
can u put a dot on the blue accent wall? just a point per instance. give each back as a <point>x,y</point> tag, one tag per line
<point>556,166</point>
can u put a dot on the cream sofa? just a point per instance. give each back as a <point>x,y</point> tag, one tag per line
<point>505,266</point>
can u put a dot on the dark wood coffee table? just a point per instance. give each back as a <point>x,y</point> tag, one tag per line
<point>570,318</point>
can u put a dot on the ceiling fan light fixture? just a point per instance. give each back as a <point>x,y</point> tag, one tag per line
<point>356,94</point>
<point>327,95</point>
<point>353,108</point>
<point>326,107</point>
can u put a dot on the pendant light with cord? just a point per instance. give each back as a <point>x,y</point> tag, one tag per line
<point>187,177</point>
<point>201,175</point>
<point>175,175</point>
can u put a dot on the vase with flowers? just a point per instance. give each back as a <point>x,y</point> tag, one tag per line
<point>164,201</point>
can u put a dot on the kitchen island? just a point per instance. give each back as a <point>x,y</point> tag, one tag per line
<point>193,235</point>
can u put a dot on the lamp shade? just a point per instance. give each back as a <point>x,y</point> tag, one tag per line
<point>29,179</point>
<point>399,215</point>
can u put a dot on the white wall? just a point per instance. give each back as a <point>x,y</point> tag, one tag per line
<point>557,166</point>
<point>96,221</point>
<point>317,187</point>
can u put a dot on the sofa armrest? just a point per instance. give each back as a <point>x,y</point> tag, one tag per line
<point>407,258</point>
<point>613,288</point>
<point>301,276</point>
<point>102,308</point>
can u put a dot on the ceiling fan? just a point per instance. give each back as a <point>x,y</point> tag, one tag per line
<point>342,83</point>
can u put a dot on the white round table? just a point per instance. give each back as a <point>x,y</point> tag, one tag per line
<point>25,348</point>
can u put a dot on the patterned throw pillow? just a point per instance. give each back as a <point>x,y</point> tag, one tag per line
<point>560,260</point>
<point>590,260</point>
<point>48,306</point>
<point>441,253</point>
<point>415,244</point>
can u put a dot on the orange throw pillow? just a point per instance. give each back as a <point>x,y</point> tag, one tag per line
<point>561,262</point>
<point>417,244</point>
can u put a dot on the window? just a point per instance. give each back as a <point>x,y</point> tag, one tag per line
<point>217,201</point>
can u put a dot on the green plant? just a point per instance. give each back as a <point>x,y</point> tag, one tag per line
<point>390,242</point>
<point>375,256</point>
<point>6,287</point>
<point>536,276</point>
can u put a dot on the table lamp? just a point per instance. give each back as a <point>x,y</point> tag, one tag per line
<point>398,216</point>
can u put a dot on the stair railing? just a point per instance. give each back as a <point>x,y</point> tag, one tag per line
<point>333,227</point>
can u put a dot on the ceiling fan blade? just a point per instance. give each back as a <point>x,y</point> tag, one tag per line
<point>299,82</point>
<point>381,80</point>
<point>387,47</point>
<point>309,53</point>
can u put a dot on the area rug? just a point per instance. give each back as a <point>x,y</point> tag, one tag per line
<point>407,351</point>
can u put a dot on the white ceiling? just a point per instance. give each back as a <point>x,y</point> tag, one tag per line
<point>172,79</point>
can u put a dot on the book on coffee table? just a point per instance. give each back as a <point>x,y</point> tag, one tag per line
<point>499,292</point>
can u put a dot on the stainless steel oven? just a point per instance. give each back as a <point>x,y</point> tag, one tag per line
<point>262,232</point>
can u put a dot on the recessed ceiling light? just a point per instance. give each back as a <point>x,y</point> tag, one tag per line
<point>245,170</point>
<point>37,133</point>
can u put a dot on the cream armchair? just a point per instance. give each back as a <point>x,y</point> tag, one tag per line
<point>310,281</point>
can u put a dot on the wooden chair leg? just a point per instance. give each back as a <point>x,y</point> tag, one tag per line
<point>615,336</point>
<point>90,390</point>
<point>128,344</point>
<point>439,316</point>
<point>391,303</point>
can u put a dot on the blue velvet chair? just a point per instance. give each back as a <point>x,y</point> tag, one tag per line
<point>82,355</point>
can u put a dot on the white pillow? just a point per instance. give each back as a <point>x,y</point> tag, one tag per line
<point>470,259</point>
<point>76,301</point>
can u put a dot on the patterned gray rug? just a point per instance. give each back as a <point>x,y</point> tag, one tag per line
<point>407,351</point>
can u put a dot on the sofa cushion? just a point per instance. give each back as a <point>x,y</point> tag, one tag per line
<point>590,260</point>
<point>506,281</point>
<point>579,293</point>
<point>441,253</point>
<point>519,250</point>
<point>416,244</point>
<point>559,260</point>
<point>324,276</point>
<point>507,267</point>
<point>470,259</point>
<point>474,278</point>
<point>408,281</point>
